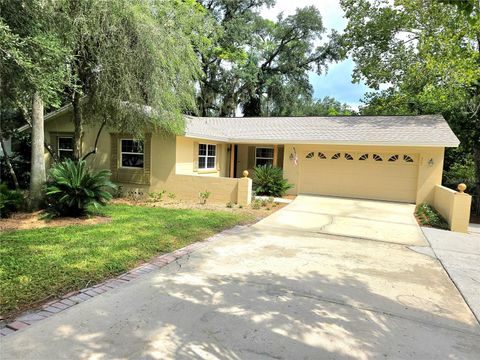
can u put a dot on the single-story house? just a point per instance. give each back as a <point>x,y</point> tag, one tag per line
<point>395,158</point>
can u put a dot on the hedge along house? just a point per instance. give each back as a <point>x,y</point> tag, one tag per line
<point>394,158</point>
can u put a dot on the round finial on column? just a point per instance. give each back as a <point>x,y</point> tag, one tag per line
<point>245,173</point>
<point>461,187</point>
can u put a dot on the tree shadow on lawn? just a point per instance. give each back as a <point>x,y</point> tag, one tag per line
<point>256,315</point>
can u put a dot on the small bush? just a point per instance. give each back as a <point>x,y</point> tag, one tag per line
<point>268,180</point>
<point>428,216</point>
<point>171,195</point>
<point>156,196</point>
<point>256,204</point>
<point>204,195</point>
<point>10,201</point>
<point>71,189</point>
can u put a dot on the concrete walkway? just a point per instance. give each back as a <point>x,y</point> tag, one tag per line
<point>460,255</point>
<point>269,291</point>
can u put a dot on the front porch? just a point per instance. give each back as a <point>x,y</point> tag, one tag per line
<point>248,156</point>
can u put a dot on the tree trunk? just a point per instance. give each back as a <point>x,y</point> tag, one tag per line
<point>7,161</point>
<point>37,176</point>
<point>253,107</point>
<point>78,123</point>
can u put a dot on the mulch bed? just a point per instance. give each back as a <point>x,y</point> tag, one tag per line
<point>24,221</point>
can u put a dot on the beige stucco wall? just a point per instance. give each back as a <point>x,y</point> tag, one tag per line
<point>427,176</point>
<point>454,207</point>
<point>172,163</point>
<point>186,158</point>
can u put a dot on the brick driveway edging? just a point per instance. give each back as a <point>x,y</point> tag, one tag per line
<point>73,298</point>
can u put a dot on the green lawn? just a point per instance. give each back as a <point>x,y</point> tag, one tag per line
<point>41,263</point>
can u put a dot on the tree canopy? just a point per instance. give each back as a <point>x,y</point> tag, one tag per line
<point>256,64</point>
<point>126,58</point>
<point>427,53</point>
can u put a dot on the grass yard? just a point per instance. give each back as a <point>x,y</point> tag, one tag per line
<point>38,264</point>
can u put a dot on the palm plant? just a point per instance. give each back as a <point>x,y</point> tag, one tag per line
<point>72,189</point>
<point>268,180</point>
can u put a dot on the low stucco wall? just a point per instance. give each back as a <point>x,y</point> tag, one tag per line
<point>453,206</point>
<point>172,164</point>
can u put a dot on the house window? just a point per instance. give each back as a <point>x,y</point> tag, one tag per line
<point>65,147</point>
<point>263,156</point>
<point>206,156</point>
<point>131,155</point>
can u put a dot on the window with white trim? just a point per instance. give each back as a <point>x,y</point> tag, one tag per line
<point>264,156</point>
<point>65,147</point>
<point>131,153</point>
<point>207,156</point>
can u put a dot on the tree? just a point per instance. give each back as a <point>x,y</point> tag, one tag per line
<point>131,64</point>
<point>428,52</point>
<point>31,72</point>
<point>283,52</point>
<point>328,106</point>
<point>259,64</point>
<point>233,24</point>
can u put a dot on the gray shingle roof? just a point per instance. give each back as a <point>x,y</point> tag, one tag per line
<point>422,130</point>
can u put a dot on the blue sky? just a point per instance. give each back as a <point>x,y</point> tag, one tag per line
<point>338,81</point>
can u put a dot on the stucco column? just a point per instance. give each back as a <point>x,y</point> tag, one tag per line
<point>460,211</point>
<point>244,194</point>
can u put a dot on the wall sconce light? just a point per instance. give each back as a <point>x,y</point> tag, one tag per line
<point>430,162</point>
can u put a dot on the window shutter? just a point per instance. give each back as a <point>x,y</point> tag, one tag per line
<point>280,156</point>
<point>251,158</point>
<point>147,160</point>
<point>195,156</point>
<point>218,156</point>
<point>114,156</point>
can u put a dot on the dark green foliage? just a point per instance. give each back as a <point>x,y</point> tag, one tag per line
<point>72,189</point>
<point>268,180</point>
<point>10,201</point>
<point>20,160</point>
<point>428,216</point>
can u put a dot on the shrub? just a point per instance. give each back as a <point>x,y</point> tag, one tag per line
<point>156,196</point>
<point>171,195</point>
<point>428,216</point>
<point>10,201</point>
<point>256,204</point>
<point>204,195</point>
<point>268,180</point>
<point>72,189</point>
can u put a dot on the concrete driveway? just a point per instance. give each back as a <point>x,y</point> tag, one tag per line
<point>374,220</point>
<point>275,290</point>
